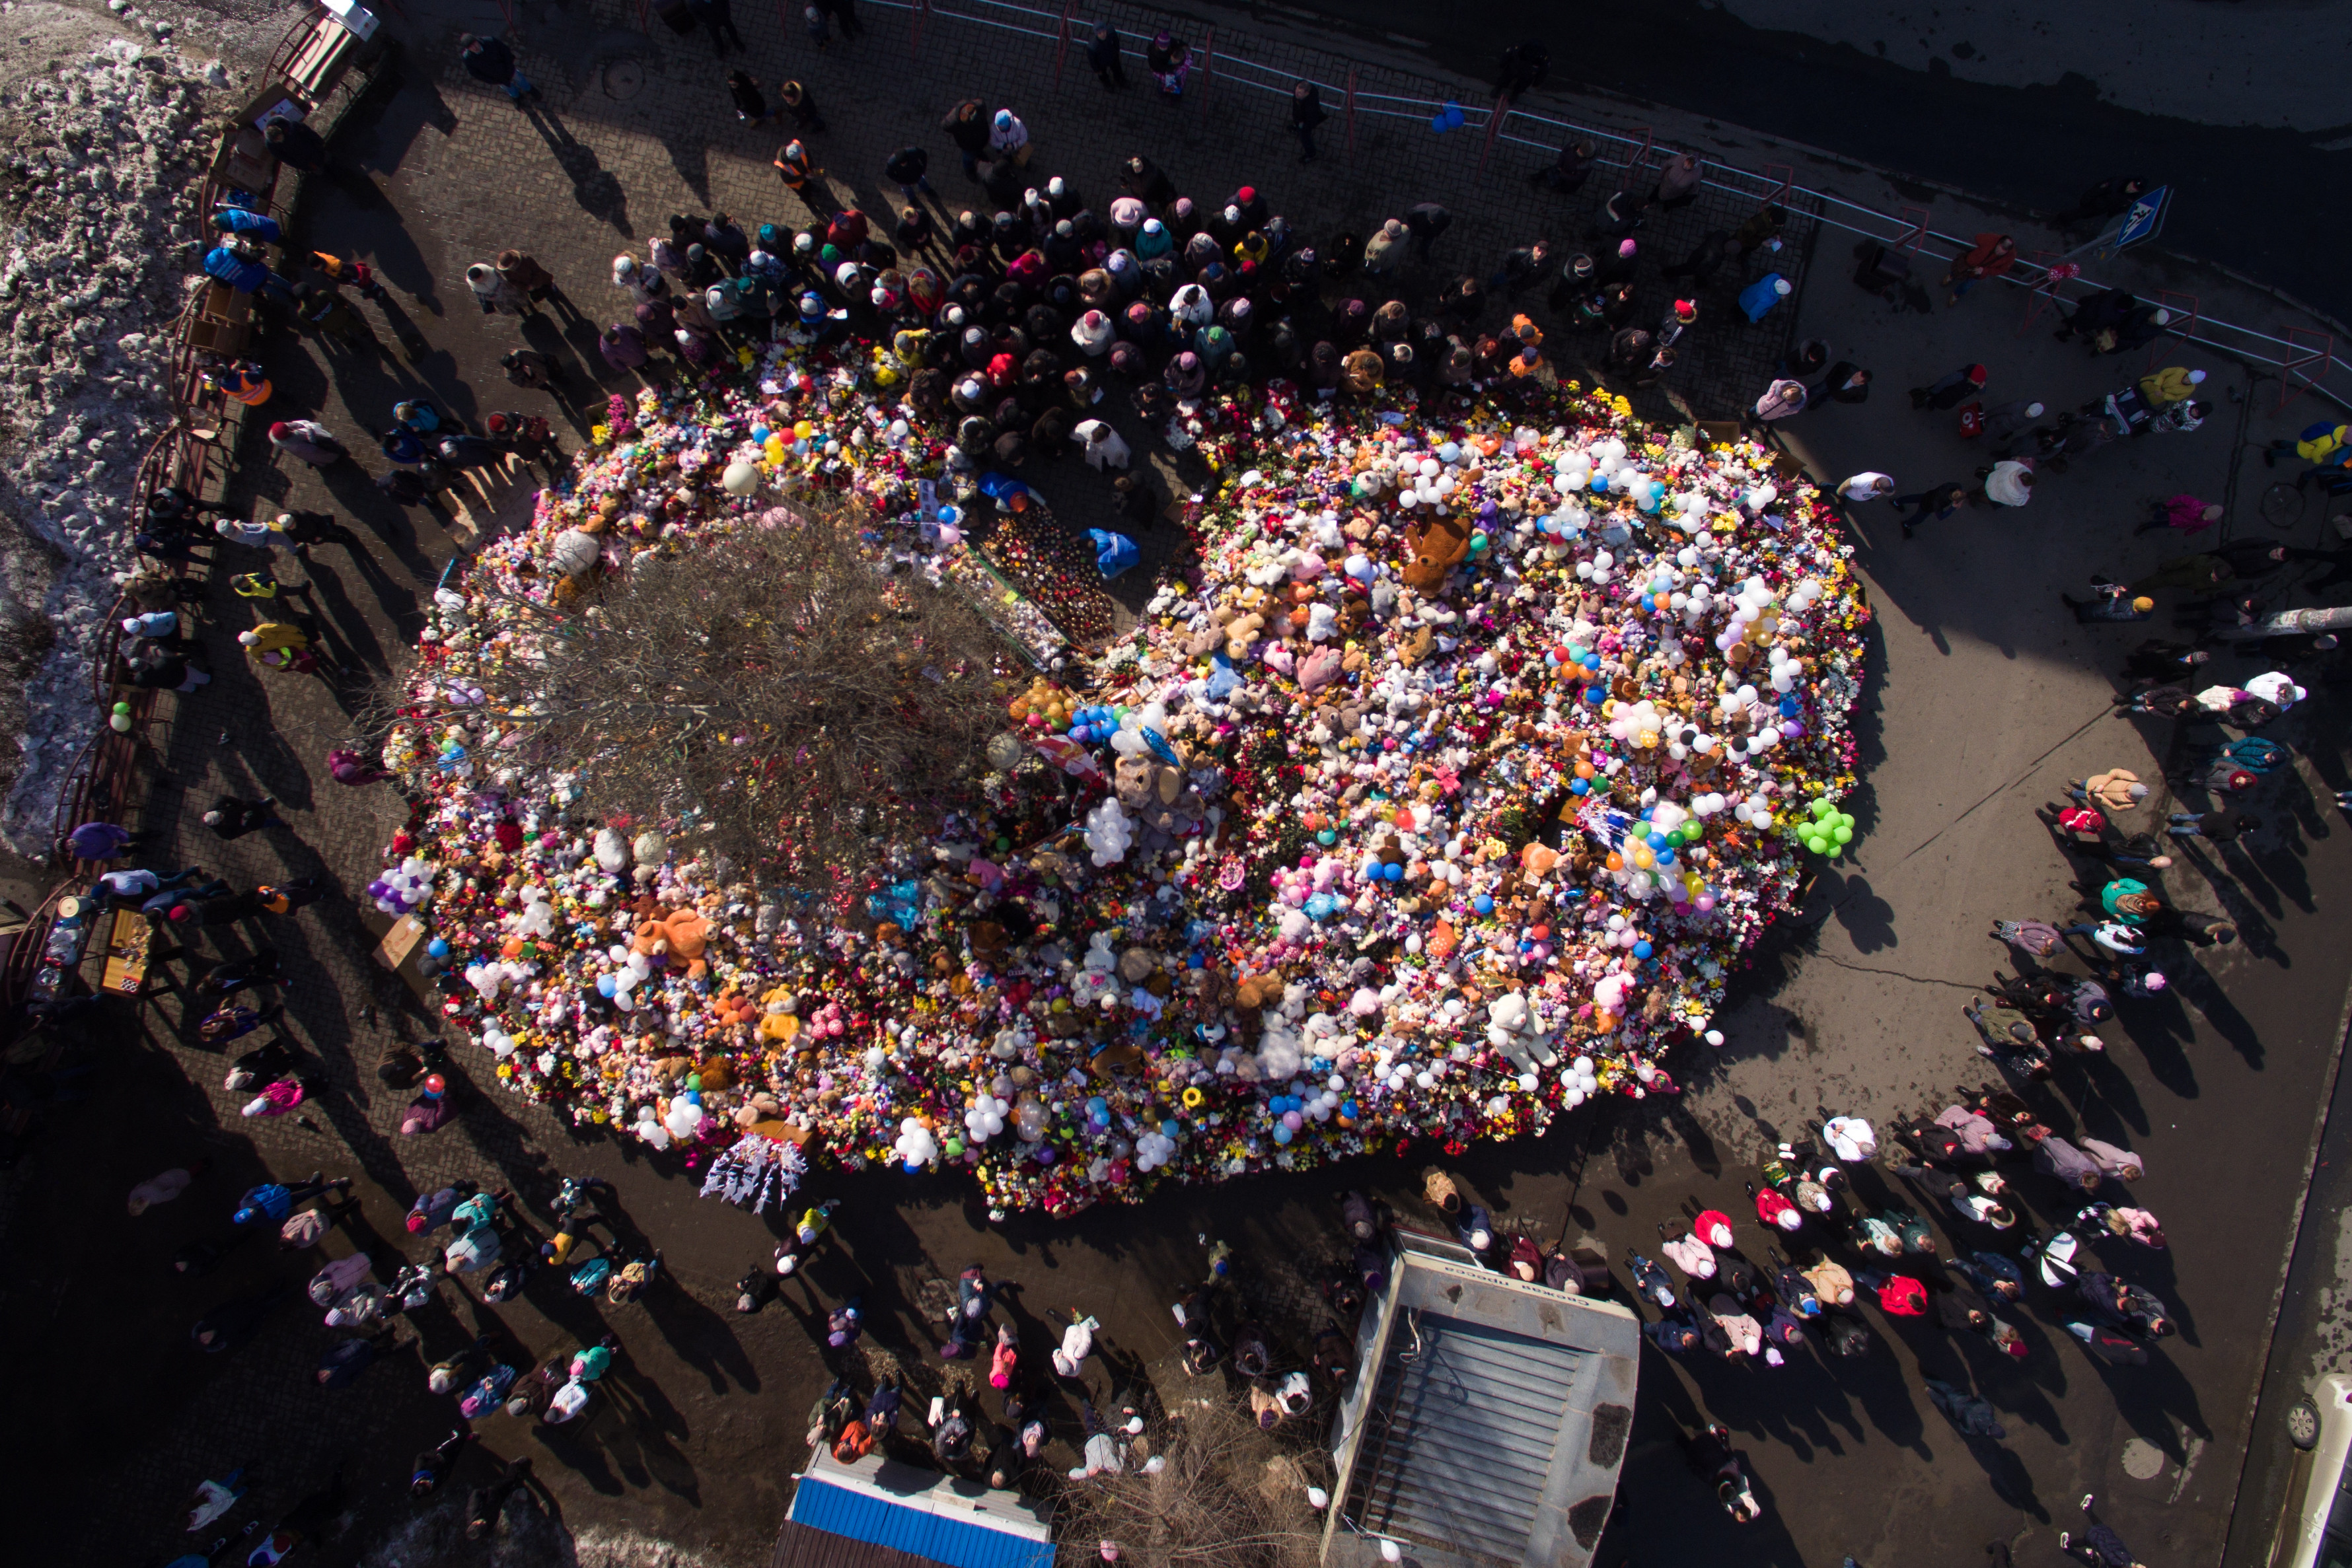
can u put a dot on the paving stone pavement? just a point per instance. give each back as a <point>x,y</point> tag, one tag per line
<point>438,171</point>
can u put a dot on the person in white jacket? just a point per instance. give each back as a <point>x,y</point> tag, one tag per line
<point>1101,445</point>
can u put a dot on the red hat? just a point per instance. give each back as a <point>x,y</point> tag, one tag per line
<point>278,432</point>
<point>1977,375</point>
<point>497,424</point>
<point>1247,194</point>
<point>1686,309</point>
<point>178,912</point>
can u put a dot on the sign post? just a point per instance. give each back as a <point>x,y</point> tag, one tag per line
<point>2144,219</point>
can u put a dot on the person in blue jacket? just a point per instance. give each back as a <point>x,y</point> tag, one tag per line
<point>244,274</point>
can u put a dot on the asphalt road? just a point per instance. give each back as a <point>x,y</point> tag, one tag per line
<point>2250,198</point>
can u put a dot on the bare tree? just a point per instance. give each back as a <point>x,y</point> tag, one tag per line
<point>774,695</point>
<point>1230,1495</point>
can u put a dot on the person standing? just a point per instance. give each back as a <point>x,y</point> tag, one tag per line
<point>1679,180</point>
<point>1567,172</point>
<point>718,19</point>
<point>1306,114</point>
<point>1991,257</point>
<point>1781,399</point>
<point>907,169</point>
<point>750,103</point>
<point>1867,487</point>
<point>2008,483</point>
<point>1105,53</point>
<point>967,127</point>
<point>2100,1547</point>
<point>1758,298</point>
<point>801,104</point>
<point>1524,268</point>
<point>490,60</point>
<point>1427,221</point>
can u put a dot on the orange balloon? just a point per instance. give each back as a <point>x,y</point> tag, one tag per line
<point>1584,771</point>
<point>1616,861</point>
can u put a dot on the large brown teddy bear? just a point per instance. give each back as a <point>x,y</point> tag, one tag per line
<point>681,935</point>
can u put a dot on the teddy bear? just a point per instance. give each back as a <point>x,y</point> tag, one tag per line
<point>681,934</point>
<point>1435,543</point>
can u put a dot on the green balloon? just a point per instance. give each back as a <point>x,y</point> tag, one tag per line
<point>1843,835</point>
<point>1815,842</point>
<point>1845,819</point>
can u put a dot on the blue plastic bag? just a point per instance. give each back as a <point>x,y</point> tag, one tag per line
<point>1114,553</point>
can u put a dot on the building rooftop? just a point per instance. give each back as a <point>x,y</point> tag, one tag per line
<point>1487,1421</point>
<point>924,1514</point>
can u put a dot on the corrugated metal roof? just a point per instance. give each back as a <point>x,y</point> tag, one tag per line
<point>801,1546</point>
<point>1471,1417</point>
<point>918,1531</point>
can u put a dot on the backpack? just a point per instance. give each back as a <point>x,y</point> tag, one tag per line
<point>590,1277</point>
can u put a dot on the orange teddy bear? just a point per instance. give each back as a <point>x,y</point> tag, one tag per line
<point>680,934</point>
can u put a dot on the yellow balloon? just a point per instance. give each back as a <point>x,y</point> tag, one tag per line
<point>803,430</point>
<point>1643,859</point>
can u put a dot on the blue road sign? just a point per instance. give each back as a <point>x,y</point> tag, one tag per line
<point>2146,216</point>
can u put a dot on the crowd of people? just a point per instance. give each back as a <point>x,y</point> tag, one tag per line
<point>1472,727</point>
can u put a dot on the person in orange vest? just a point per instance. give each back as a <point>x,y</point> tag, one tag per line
<point>241,379</point>
<point>354,272</point>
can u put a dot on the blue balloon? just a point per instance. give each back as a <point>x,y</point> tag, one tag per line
<point>1282,1134</point>
<point>1666,856</point>
<point>1642,949</point>
<point>1596,695</point>
<point>1393,871</point>
<point>1348,1108</point>
<point>437,948</point>
<point>1483,905</point>
<point>1579,787</point>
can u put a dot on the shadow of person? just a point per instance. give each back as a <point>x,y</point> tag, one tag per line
<point>600,195</point>
<point>1868,919</point>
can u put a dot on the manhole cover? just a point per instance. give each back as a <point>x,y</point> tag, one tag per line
<point>2143,1460</point>
<point>624,78</point>
<point>2281,505</point>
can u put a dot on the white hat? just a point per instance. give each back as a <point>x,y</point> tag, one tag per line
<point>2034,411</point>
<point>1780,285</point>
<point>2195,377</point>
<point>2164,317</point>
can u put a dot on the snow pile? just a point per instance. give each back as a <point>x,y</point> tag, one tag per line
<point>93,275</point>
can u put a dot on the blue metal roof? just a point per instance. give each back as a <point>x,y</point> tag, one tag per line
<point>918,1532</point>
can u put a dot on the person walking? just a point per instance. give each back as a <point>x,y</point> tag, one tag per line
<point>495,293</point>
<point>1991,257</point>
<point>2183,513</point>
<point>307,440</point>
<point>1105,53</point>
<point>2100,1546</point>
<point>1954,390</point>
<point>1846,382</point>
<point>1781,399</point>
<point>1867,487</point>
<point>490,60</point>
<point>1306,114</point>
<point>1940,501</point>
<point>2110,601</point>
<point>2225,826</point>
